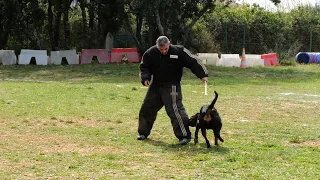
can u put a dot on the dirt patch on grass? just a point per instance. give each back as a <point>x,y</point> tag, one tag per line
<point>77,79</point>
<point>65,122</point>
<point>306,143</point>
<point>10,166</point>
<point>146,154</point>
<point>295,105</point>
<point>234,132</point>
<point>310,143</point>
<point>65,148</point>
<point>90,122</point>
<point>83,122</point>
<point>52,144</point>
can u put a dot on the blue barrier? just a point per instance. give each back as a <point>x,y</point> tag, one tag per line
<point>308,57</point>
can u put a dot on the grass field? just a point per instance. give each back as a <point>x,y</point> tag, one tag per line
<point>80,122</point>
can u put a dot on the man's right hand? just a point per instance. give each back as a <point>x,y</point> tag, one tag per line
<point>147,83</point>
<point>204,79</point>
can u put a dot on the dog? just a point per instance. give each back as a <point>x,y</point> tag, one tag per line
<point>207,118</point>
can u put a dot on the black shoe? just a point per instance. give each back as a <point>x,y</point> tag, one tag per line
<point>141,137</point>
<point>184,141</point>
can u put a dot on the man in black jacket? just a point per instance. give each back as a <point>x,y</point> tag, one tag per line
<point>161,69</point>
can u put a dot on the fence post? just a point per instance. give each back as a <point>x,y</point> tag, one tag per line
<point>310,46</point>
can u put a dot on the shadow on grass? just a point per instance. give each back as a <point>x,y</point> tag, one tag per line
<point>191,148</point>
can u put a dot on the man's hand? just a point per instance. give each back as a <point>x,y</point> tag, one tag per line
<point>204,79</point>
<point>147,83</point>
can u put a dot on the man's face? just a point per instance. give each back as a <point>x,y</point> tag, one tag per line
<point>164,49</point>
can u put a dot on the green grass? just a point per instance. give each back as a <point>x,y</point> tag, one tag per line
<point>80,122</point>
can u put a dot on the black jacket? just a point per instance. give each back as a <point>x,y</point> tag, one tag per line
<point>168,69</point>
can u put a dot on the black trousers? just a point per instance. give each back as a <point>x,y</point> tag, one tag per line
<point>170,97</point>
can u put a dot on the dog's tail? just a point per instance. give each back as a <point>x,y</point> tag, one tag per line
<point>214,100</point>
<point>220,138</point>
<point>216,137</point>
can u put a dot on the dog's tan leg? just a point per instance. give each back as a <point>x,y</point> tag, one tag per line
<point>196,135</point>
<point>216,141</point>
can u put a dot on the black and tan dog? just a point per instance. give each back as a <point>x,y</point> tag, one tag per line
<point>208,118</point>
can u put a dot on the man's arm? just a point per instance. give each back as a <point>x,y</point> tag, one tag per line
<point>145,70</point>
<point>195,65</point>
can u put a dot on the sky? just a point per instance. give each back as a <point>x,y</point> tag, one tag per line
<point>285,4</point>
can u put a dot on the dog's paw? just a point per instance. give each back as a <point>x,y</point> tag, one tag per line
<point>196,141</point>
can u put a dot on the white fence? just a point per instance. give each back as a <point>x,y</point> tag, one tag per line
<point>8,57</point>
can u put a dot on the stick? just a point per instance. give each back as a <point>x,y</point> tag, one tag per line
<point>206,88</point>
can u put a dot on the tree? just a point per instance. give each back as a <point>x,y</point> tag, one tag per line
<point>21,20</point>
<point>7,20</point>
<point>305,28</point>
<point>172,18</point>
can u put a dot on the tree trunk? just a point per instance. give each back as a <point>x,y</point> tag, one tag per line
<point>139,20</point>
<point>50,25</point>
<point>91,25</point>
<point>156,7</point>
<point>4,40</point>
<point>151,31</point>
<point>91,15</point>
<point>176,20</point>
<point>57,30</point>
<point>4,35</point>
<point>84,26</point>
<point>40,39</point>
<point>101,28</point>
<point>29,34</point>
<point>66,29</point>
<point>158,22</point>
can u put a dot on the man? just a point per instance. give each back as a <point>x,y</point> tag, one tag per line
<point>161,70</point>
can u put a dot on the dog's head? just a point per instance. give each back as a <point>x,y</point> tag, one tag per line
<point>193,120</point>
